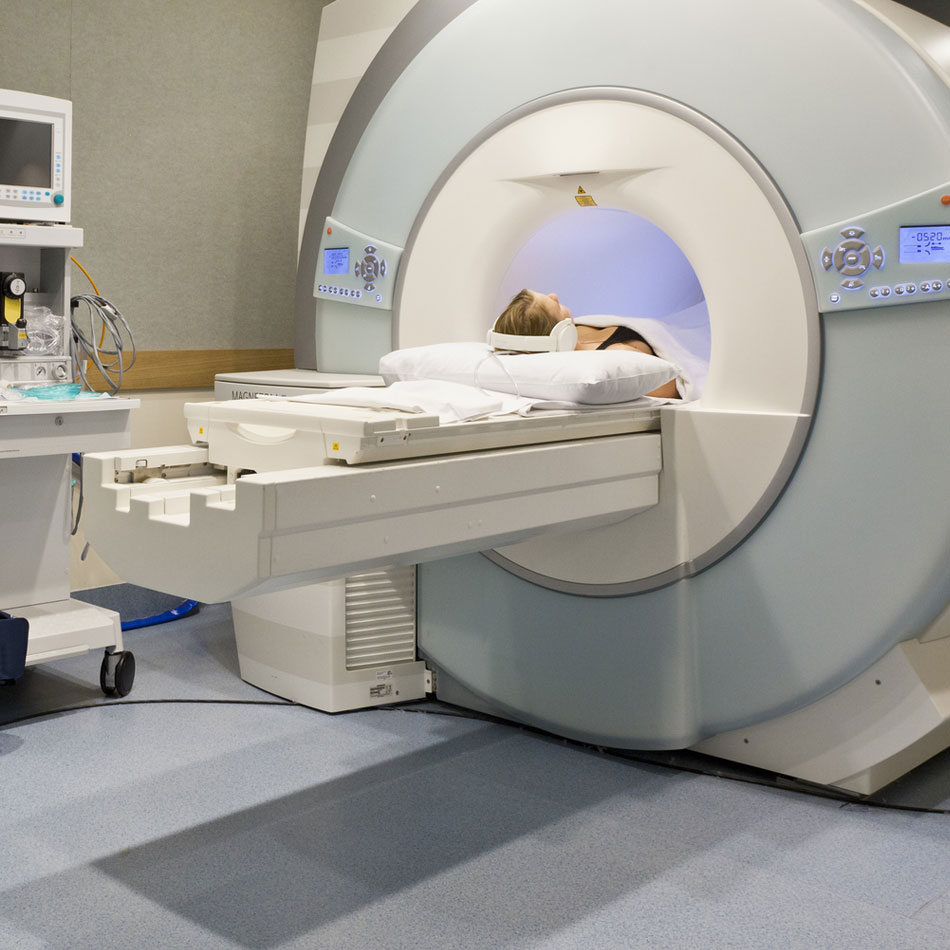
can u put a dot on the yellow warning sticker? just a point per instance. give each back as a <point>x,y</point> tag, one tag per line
<point>584,199</point>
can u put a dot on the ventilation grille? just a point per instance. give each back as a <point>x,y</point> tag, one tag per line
<point>381,618</point>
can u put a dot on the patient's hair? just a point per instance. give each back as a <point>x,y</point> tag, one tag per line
<point>524,316</point>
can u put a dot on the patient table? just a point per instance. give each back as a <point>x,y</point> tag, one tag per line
<point>322,491</point>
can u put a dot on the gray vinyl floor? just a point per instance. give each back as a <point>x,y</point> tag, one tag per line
<point>203,813</point>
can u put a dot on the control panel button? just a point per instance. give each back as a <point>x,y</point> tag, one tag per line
<point>852,284</point>
<point>910,288</point>
<point>925,286</point>
<point>852,265</point>
<point>334,291</point>
<point>936,285</point>
<point>827,259</point>
<point>835,298</point>
<point>852,232</point>
<point>369,268</point>
<point>877,257</point>
<point>852,257</point>
<point>885,291</point>
<point>899,290</point>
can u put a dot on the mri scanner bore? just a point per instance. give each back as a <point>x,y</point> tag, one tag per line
<point>761,572</point>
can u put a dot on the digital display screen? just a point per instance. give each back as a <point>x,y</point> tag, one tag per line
<point>925,244</point>
<point>26,150</point>
<point>336,260</point>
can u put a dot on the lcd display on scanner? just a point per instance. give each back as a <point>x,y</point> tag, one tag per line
<point>336,260</point>
<point>925,244</point>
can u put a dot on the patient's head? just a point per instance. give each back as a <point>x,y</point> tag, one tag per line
<point>531,314</point>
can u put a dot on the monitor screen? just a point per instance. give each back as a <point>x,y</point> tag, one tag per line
<point>336,260</point>
<point>925,244</point>
<point>25,153</point>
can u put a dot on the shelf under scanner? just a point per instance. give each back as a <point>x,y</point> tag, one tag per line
<point>282,494</point>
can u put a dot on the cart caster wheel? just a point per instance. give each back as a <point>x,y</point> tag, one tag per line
<point>117,673</point>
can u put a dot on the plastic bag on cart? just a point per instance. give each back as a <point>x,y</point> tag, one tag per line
<point>44,331</point>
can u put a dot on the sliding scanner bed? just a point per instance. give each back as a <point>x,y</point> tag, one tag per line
<point>282,494</point>
<point>264,435</point>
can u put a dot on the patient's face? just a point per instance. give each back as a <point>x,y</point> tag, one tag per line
<point>553,306</point>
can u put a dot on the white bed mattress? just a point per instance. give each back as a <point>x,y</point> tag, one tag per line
<point>269,434</point>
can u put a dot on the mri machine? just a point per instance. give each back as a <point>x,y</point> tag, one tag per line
<point>763,573</point>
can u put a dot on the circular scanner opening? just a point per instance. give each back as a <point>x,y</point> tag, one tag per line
<point>681,206</point>
<point>609,261</point>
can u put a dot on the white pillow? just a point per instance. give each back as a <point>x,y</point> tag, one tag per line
<point>590,377</point>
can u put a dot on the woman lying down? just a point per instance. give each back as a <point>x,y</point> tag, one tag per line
<point>533,314</point>
<point>536,360</point>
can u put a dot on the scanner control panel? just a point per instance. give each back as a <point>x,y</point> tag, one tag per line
<point>355,268</point>
<point>897,254</point>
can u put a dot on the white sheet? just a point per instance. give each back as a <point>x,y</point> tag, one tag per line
<point>451,402</point>
<point>686,346</point>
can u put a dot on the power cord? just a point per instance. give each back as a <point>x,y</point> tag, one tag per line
<point>758,777</point>
<point>77,465</point>
<point>761,779</point>
<point>145,702</point>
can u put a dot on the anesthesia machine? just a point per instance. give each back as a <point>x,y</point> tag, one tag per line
<point>42,422</point>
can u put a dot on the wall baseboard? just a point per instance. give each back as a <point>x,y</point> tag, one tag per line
<point>192,369</point>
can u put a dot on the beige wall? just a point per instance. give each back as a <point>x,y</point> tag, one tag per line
<point>189,121</point>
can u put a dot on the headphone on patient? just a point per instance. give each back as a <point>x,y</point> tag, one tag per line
<point>563,337</point>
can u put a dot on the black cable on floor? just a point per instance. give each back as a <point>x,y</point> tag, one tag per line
<point>777,782</point>
<point>767,780</point>
<point>146,702</point>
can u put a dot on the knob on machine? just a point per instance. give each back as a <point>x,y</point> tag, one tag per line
<point>12,322</point>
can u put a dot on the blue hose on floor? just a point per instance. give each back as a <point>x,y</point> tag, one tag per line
<point>184,609</point>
